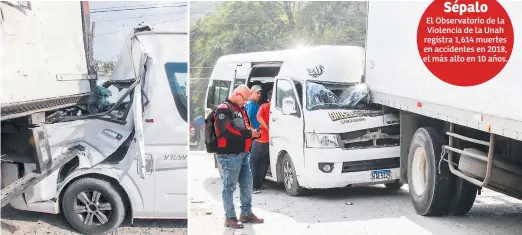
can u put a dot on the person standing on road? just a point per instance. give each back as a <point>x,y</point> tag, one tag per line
<point>260,155</point>
<point>253,105</point>
<point>235,135</point>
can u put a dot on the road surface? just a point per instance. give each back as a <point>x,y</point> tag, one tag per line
<point>25,222</point>
<point>363,210</point>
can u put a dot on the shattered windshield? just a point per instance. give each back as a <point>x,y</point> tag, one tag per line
<point>322,95</point>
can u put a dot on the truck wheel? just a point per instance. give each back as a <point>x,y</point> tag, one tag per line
<point>93,206</point>
<point>429,190</point>
<point>290,182</point>
<point>394,185</point>
<point>464,198</point>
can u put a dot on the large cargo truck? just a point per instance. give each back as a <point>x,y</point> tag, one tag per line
<point>454,140</point>
<point>45,66</point>
<point>46,57</point>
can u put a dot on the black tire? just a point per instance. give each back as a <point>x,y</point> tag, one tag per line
<point>434,200</point>
<point>464,197</point>
<point>109,196</point>
<point>291,185</point>
<point>394,185</point>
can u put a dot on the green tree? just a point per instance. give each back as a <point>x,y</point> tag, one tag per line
<point>104,66</point>
<point>108,66</point>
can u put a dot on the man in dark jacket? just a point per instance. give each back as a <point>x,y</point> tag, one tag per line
<point>235,136</point>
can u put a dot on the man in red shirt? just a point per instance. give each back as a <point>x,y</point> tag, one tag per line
<point>260,155</point>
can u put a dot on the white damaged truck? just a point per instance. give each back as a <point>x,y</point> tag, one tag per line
<point>454,140</point>
<point>119,152</point>
<point>324,132</point>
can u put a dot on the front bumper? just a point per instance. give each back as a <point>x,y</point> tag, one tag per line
<point>350,166</point>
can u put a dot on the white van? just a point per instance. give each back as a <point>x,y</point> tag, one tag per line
<point>324,133</point>
<point>131,156</point>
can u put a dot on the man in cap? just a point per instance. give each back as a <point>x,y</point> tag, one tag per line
<point>252,105</point>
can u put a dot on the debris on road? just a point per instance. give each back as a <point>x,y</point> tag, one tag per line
<point>16,222</point>
<point>378,210</point>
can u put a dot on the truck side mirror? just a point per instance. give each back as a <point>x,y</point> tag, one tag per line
<point>289,106</point>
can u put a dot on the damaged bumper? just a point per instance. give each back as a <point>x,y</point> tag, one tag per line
<point>350,167</point>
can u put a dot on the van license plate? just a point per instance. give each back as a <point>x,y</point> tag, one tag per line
<point>381,175</point>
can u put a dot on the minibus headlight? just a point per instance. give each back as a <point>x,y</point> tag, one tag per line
<point>322,140</point>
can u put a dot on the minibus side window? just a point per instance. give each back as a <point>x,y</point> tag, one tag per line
<point>283,90</point>
<point>238,82</point>
<point>218,92</point>
<point>177,76</point>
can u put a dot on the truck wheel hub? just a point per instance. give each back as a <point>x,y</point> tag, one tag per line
<point>419,171</point>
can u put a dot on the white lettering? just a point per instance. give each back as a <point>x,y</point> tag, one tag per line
<point>352,120</point>
<point>174,157</point>
<point>462,8</point>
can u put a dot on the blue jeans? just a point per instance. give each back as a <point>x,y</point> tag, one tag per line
<point>236,169</point>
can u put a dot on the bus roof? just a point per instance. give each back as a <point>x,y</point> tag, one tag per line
<point>278,55</point>
<point>337,63</point>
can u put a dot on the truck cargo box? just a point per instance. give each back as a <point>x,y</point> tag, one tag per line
<point>398,78</point>
<point>44,55</point>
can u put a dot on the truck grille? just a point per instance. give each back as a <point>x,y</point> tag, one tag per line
<point>369,144</point>
<point>387,136</point>
<point>368,165</point>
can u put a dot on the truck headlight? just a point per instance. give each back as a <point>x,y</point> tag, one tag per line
<point>321,140</point>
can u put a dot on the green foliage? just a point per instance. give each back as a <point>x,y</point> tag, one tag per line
<point>104,66</point>
<point>241,27</point>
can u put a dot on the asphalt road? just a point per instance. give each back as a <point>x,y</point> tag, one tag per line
<point>359,210</point>
<point>25,222</point>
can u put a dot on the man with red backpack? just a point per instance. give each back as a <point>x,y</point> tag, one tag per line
<point>229,134</point>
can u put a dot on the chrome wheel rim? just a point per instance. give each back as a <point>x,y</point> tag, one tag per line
<point>288,175</point>
<point>92,208</point>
